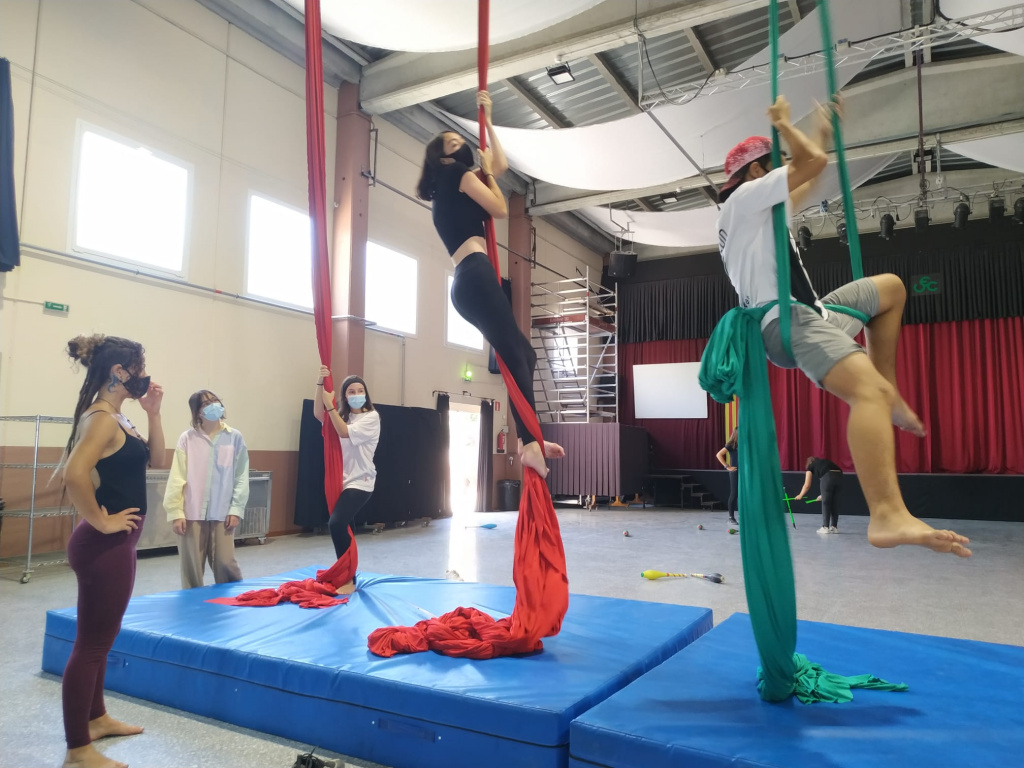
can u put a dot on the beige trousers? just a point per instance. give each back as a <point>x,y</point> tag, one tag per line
<point>207,540</point>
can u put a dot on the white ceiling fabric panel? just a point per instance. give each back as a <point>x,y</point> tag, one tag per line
<point>633,152</point>
<point>697,228</point>
<point>1011,41</point>
<point>431,27</point>
<point>1000,151</point>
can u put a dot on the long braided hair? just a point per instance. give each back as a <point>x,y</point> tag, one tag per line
<point>98,353</point>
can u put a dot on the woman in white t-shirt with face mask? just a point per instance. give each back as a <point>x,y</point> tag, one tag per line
<point>358,424</point>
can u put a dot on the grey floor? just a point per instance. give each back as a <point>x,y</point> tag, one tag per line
<point>840,579</point>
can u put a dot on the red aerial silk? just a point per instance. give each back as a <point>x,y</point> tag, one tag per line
<point>538,569</point>
<point>311,593</point>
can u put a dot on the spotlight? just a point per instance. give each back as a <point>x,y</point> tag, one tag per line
<point>886,226</point>
<point>1018,210</point>
<point>841,231</point>
<point>921,219</point>
<point>960,215</point>
<point>996,209</point>
<point>804,236</point>
<point>560,74</point>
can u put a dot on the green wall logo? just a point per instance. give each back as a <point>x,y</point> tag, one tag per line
<point>926,285</point>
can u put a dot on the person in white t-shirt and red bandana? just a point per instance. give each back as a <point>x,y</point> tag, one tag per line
<point>822,342</point>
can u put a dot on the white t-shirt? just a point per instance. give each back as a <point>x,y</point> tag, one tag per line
<point>358,448</point>
<point>746,240</point>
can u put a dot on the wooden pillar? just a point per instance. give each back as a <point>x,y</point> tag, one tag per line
<point>351,229</point>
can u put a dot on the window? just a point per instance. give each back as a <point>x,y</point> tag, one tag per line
<point>460,331</point>
<point>280,263</point>
<point>391,289</point>
<point>130,204</point>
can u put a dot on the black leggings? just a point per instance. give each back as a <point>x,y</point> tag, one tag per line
<point>477,296</point>
<point>349,503</point>
<point>734,481</point>
<point>831,485</point>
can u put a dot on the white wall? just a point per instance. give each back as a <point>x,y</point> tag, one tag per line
<point>180,80</point>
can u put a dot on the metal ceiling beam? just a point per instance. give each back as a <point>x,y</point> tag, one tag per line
<point>402,79</point>
<point>541,110</point>
<point>281,31</point>
<point>698,48</point>
<point>880,149</point>
<point>598,62</point>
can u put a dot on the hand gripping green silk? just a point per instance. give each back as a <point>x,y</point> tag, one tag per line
<point>779,220</point>
<point>735,364</point>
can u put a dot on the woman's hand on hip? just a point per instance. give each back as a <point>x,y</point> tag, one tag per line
<point>124,521</point>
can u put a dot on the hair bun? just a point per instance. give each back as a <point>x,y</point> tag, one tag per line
<point>82,348</point>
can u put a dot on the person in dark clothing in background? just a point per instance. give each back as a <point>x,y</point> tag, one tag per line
<point>731,451</point>
<point>831,478</point>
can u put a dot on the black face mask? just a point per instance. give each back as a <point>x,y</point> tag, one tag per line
<point>137,386</point>
<point>464,155</point>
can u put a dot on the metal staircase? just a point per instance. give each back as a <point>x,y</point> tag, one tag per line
<point>573,333</point>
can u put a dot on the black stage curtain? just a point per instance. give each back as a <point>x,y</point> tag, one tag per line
<point>310,498</point>
<point>410,465</point>
<point>446,442</point>
<point>974,281</point>
<point>484,468</point>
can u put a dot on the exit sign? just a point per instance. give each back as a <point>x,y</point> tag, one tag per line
<point>56,307</point>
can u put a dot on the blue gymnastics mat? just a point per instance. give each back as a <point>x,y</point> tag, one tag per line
<point>307,674</point>
<point>700,709</point>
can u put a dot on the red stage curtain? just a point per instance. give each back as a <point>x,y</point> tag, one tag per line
<point>965,379</point>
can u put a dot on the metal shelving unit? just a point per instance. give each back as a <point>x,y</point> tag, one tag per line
<point>32,513</point>
<point>574,335</point>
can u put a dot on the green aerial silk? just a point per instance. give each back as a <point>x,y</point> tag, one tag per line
<point>735,364</point>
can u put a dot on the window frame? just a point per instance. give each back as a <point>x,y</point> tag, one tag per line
<point>110,259</point>
<point>416,315</point>
<point>245,266</point>
<point>482,349</point>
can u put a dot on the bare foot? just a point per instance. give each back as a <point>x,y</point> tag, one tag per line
<point>553,450</point>
<point>903,528</point>
<point>532,458</point>
<point>88,757</point>
<point>905,418</point>
<point>105,725</point>
<point>347,589</point>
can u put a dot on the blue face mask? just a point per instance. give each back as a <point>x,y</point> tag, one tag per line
<point>213,412</point>
<point>356,401</point>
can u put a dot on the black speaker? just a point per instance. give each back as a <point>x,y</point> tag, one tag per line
<point>621,264</point>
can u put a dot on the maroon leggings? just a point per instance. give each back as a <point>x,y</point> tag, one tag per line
<point>105,567</point>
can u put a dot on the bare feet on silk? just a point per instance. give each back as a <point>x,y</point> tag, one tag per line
<point>531,456</point>
<point>891,529</point>
<point>347,589</point>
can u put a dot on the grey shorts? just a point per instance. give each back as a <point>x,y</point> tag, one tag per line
<point>819,343</point>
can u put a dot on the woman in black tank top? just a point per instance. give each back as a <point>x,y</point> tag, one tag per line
<point>101,550</point>
<point>462,203</point>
